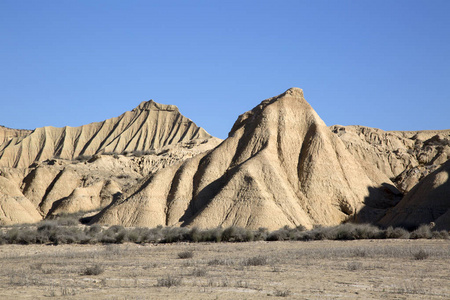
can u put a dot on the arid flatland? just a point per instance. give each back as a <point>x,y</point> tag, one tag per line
<point>363,269</point>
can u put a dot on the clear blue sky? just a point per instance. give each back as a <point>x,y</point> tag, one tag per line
<point>383,64</point>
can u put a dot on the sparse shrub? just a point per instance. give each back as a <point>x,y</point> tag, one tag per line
<point>66,291</point>
<point>199,272</point>
<point>443,234</point>
<point>169,281</point>
<point>421,255</point>
<point>396,233</point>
<point>318,233</point>
<point>94,229</point>
<point>83,157</point>
<point>36,266</point>
<point>237,234</point>
<point>47,225</point>
<point>154,235</point>
<point>123,176</point>
<point>282,293</point>
<point>140,153</point>
<point>186,254</point>
<point>65,219</point>
<point>359,252</point>
<point>114,234</point>
<point>93,270</point>
<point>112,249</point>
<point>423,232</point>
<point>212,235</point>
<point>222,283</point>
<point>60,231</point>
<point>195,235</point>
<point>241,284</point>
<point>220,262</point>
<point>255,261</point>
<point>366,231</point>
<point>175,234</point>
<point>281,234</point>
<point>135,235</point>
<point>261,234</point>
<point>354,266</point>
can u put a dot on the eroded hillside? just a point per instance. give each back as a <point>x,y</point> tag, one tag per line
<point>280,165</point>
<point>53,171</point>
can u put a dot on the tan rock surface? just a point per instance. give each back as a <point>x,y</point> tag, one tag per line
<point>404,156</point>
<point>150,137</point>
<point>149,126</point>
<point>428,201</point>
<point>281,165</point>
<point>14,206</point>
<point>7,134</point>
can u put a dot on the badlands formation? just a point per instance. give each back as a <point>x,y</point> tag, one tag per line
<point>52,171</point>
<point>281,165</point>
<point>149,126</point>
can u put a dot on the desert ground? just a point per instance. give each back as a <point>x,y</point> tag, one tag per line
<point>362,269</point>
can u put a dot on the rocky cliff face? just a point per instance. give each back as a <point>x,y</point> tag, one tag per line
<point>281,165</point>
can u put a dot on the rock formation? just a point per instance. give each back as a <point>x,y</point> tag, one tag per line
<point>149,126</point>
<point>281,165</point>
<point>14,206</point>
<point>7,134</point>
<point>41,176</point>
<point>428,201</point>
<point>404,156</point>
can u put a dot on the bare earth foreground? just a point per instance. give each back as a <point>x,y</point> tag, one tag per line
<point>363,269</point>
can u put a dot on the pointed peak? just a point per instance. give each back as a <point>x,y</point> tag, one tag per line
<point>295,92</point>
<point>152,105</point>
<point>292,95</point>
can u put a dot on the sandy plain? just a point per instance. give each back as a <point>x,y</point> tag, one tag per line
<point>363,269</point>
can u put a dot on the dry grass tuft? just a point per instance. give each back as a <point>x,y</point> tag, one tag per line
<point>186,254</point>
<point>93,270</point>
<point>421,255</point>
<point>169,281</point>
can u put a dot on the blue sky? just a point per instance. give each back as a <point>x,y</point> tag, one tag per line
<point>383,64</point>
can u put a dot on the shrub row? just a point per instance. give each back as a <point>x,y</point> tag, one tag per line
<point>52,232</point>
